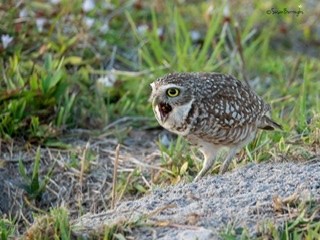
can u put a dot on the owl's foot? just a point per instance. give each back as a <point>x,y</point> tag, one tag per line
<point>227,161</point>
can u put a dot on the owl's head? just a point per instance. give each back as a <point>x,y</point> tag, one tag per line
<point>170,96</point>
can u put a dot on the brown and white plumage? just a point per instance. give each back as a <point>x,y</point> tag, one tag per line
<point>211,111</point>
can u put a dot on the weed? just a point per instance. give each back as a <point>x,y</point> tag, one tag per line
<point>32,184</point>
<point>304,224</point>
<point>6,229</point>
<point>131,184</point>
<point>31,100</point>
<point>120,230</point>
<point>54,225</point>
<point>177,160</point>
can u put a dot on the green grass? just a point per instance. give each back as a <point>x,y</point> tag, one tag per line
<point>54,225</point>
<point>6,229</point>
<point>49,81</point>
<point>32,184</point>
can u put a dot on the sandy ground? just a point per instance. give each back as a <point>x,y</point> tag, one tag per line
<point>247,198</point>
<point>244,199</point>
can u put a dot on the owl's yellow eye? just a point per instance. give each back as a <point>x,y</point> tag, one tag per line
<point>173,92</point>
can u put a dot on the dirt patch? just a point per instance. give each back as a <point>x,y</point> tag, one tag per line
<point>246,198</point>
<point>81,180</point>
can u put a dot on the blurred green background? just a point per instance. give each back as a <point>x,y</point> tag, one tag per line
<point>84,64</point>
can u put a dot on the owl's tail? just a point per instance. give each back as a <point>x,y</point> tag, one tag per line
<point>268,124</point>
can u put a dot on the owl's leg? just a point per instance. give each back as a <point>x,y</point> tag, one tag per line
<point>227,161</point>
<point>209,160</point>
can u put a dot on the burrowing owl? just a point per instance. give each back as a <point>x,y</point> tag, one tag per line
<point>211,111</point>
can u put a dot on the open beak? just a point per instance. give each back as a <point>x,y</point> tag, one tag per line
<point>162,109</point>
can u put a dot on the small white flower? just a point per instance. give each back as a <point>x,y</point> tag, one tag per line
<point>23,13</point>
<point>6,40</point>
<point>55,1</point>
<point>142,29</point>
<point>160,31</point>
<point>40,23</point>
<point>89,21</point>
<point>88,5</point>
<point>107,5</point>
<point>226,11</point>
<point>107,80</point>
<point>195,35</point>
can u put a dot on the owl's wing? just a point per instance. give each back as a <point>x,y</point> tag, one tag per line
<point>235,104</point>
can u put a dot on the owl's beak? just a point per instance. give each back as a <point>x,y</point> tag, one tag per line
<point>161,109</point>
<point>164,110</point>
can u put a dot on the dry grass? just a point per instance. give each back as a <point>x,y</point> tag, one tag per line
<point>82,179</point>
